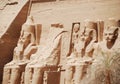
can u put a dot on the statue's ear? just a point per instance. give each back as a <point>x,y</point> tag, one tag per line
<point>29,36</point>
<point>116,32</point>
<point>91,33</point>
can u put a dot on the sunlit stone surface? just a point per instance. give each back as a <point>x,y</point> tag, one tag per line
<point>61,42</point>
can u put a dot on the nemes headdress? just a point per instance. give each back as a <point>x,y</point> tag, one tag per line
<point>112,24</point>
<point>91,26</point>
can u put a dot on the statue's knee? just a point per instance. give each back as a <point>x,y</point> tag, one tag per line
<point>28,69</point>
<point>69,68</point>
<point>7,70</point>
<point>39,69</point>
<point>16,69</point>
<point>6,66</point>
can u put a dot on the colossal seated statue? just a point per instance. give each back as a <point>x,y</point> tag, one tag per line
<point>83,54</point>
<point>105,67</point>
<point>90,39</point>
<point>110,42</point>
<point>46,59</point>
<point>26,46</point>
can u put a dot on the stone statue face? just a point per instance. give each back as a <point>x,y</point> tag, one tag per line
<point>76,28</point>
<point>25,38</point>
<point>110,34</point>
<point>86,34</point>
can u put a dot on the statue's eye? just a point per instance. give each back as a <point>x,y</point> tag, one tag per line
<point>81,35</point>
<point>110,33</point>
<point>86,35</point>
<point>77,35</point>
<point>106,34</point>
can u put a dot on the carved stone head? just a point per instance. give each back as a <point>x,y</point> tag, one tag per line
<point>29,20</point>
<point>26,37</point>
<point>89,32</point>
<point>111,32</point>
<point>76,27</point>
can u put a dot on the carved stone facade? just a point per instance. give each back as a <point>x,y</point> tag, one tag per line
<point>58,46</point>
<point>93,57</point>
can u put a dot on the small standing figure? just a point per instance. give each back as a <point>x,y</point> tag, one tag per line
<point>74,41</point>
<point>71,59</point>
<point>75,34</point>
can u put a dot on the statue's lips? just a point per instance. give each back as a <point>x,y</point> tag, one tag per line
<point>108,39</point>
<point>82,39</point>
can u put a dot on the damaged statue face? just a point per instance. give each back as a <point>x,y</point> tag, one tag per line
<point>86,34</point>
<point>25,38</point>
<point>110,34</point>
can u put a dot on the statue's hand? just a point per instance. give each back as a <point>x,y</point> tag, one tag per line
<point>33,62</point>
<point>72,56</point>
<point>11,63</point>
<point>71,60</point>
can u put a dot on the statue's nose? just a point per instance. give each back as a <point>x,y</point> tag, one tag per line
<point>82,38</point>
<point>107,38</point>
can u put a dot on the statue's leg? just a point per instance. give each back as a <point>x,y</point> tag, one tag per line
<point>38,75</point>
<point>28,75</point>
<point>15,75</point>
<point>78,73</point>
<point>69,74</point>
<point>22,78</point>
<point>6,75</point>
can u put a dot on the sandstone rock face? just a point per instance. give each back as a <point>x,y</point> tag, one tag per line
<point>12,18</point>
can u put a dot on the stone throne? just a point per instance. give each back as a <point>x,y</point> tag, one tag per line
<point>26,46</point>
<point>46,59</point>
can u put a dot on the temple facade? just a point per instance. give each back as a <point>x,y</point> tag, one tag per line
<point>59,42</point>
